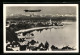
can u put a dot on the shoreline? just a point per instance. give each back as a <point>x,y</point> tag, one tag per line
<point>31,29</point>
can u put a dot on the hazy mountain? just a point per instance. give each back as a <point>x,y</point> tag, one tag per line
<point>38,17</point>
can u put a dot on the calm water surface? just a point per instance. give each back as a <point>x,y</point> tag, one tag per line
<point>58,36</point>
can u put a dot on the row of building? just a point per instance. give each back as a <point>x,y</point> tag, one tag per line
<point>15,22</point>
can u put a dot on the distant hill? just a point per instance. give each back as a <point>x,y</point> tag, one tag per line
<point>56,18</point>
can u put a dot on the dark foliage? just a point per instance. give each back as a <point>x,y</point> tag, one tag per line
<point>11,35</point>
<point>67,47</point>
<point>54,47</point>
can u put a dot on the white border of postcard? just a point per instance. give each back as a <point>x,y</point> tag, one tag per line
<point>4,28</point>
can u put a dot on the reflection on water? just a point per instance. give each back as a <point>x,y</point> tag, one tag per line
<point>58,36</point>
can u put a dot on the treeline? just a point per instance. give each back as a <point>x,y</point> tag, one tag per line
<point>60,18</point>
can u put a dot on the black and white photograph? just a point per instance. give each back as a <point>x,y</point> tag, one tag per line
<point>40,28</point>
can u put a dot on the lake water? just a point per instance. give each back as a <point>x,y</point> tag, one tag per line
<point>58,36</point>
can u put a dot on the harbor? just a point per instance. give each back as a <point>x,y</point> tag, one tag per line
<point>43,36</point>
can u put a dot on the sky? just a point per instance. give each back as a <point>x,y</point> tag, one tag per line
<point>61,10</point>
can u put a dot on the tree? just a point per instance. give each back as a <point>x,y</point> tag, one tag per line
<point>47,45</point>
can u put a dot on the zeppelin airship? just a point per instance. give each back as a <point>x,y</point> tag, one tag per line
<point>32,10</point>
